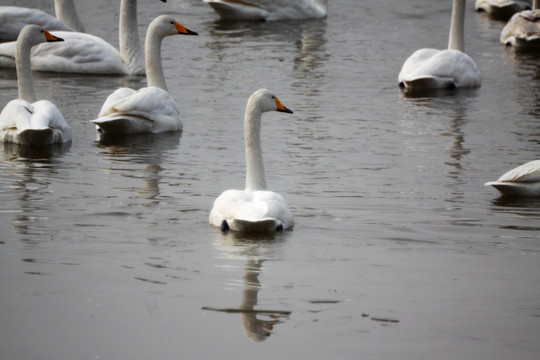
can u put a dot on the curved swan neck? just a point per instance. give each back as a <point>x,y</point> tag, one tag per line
<point>24,69</point>
<point>255,178</point>
<point>130,45</point>
<point>67,13</point>
<point>154,66</point>
<point>456,38</point>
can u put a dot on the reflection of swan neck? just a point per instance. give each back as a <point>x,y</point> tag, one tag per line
<point>130,46</point>
<point>255,178</point>
<point>154,66</point>
<point>24,69</point>
<point>456,38</point>
<point>67,13</point>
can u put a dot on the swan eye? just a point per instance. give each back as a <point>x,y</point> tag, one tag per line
<point>273,97</point>
<point>172,22</point>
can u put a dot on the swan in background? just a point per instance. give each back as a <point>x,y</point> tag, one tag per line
<point>523,29</point>
<point>521,181</point>
<point>14,18</point>
<point>269,10</point>
<point>501,9</point>
<point>254,209</point>
<point>88,54</point>
<point>442,69</point>
<point>24,120</point>
<point>150,109</point>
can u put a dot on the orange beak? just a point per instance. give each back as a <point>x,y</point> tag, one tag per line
<point>51,37</point>
<point>282,108</point>
<point>182,30</point>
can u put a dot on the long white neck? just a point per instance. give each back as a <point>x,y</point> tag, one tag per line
<point>67,13</point>
<point>130,45</point>
<point>255,178</point>
<point>152,53</point>
<point>24,69</point>
<point>456,38</point>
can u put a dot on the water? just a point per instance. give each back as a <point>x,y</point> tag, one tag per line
<point>399,251</point>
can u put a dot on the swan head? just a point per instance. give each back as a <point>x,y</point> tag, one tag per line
<point>268,101</point>
<point>34,35</point>
<point>167,26</point>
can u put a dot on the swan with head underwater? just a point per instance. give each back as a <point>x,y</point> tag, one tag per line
<point>442,69</point>
<point>26,121</point>
<point>501,9</point>
<point>88,54</point>
<point>14,18</point>
<point>523,181</point>
<point>269,10</point>
<point>523,29</point>
<point>254,209</point>
<point>151,109</point>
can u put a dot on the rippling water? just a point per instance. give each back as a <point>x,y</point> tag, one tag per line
<point>399,251</point>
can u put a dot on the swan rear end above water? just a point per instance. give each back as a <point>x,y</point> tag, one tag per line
<point>254,209</point>
<point>523,29</point>
<point>269,10</point>
<point>24,120</point>
<point>501,9</point>
<point>522,181</point>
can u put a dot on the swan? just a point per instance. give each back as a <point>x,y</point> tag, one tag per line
<point>269,9</point>
<point>88,54</point>
<point>24,120</point>
<point>521,181</point>
<point>14,18</point>
<point>440,69</point>
<point>501,9</point>
<point>150,109</point>
<point>254,209</point>
<point>523,29</point>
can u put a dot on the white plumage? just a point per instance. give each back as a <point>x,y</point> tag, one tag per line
<point>150,109</point>
<point>501,9</point>
<point>269,10</point>
<point>521,181</point>
<point>254,209</point>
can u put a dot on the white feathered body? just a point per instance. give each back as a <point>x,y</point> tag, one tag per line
<point>269,10</point>
<point>251,211</point>
<point>521,181</point>
<point>439,69</point>
<point>40,123</point>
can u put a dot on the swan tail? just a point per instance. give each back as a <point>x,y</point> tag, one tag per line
<point>123,124</point>
<point>516,189</point>
<point>44,136</point>
<point>255,226</point>
<point>428,82</point>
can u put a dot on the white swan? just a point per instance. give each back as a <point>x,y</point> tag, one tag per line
<point>523,29</point>
<point>150,109</point>
<point>88,54</point>
<point>14,18</point>
<point>440,69</point>
<point>501,9</point>
<point>269,9</point>
<point>24,120</point>
<point>254,209</point>
<point>521,181</point>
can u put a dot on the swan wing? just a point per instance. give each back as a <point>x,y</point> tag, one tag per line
<point>269,9</point>
<point>529,172</point>
<point>14,18</point>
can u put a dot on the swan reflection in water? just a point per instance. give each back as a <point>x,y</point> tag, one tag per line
<point>258,324</point>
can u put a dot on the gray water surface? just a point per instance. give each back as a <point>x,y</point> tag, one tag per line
<point>399,251</point>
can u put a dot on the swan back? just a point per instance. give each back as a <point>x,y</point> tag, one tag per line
<point>269,10</point>
<point>521,181</point>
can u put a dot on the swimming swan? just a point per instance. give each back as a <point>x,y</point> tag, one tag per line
<point>254,209</point>
<point>440,69</point>
<point>150,109</point>
<point>14,18</point>
<point>501,9</point>
<point>523,29</point>
<point>521,181</point>
<point>88,54</point>
<point>24,120</point>
<point>269,9</point>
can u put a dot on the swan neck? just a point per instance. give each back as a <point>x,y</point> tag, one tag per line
<point>66,12</point>
<point>130,45</point>
<point>255,177</point>
<point>154,66</point>
<point>456,38</point>
<point>24,70</point>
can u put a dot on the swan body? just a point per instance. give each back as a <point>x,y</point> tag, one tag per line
<point>254,209</point>
<point>269,10</point>
<point>27,121</point>
<point>88,54</point>
<point>521,181</point>
<point>150,109</point>
<point>501,9</point>
<point>14,18</point>
<point>442,69</point>
<point>523,29</point>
